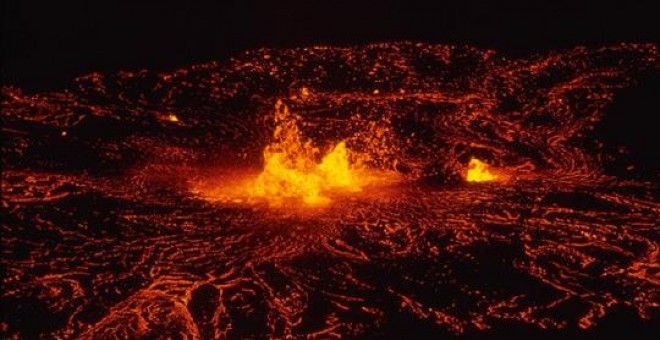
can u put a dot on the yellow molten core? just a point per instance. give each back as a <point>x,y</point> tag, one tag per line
<point>479,171</point>
<point>290,170</point>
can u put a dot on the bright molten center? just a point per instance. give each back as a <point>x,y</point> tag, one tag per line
<point>479,171</point>
<point>291,169</point>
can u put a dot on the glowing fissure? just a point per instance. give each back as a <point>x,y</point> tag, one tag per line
<point>290,169</point>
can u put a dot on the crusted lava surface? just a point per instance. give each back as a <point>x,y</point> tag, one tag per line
<point>105,231</point>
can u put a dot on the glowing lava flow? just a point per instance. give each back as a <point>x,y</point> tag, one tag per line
<point>479,171</point>
<point>146,219</point>
<point>290,170</point>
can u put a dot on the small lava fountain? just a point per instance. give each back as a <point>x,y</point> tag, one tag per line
<point>290,169</point>
<point>294,170</point>
<point>479,171</point>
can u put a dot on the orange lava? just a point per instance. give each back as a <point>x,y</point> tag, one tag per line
<point>295,172</point>
<point>137,205</point>
<point>479,171</point>
<point>290,170</point>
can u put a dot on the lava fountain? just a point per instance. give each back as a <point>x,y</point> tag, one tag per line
<point>296,171</point>
<point>479,171</point>
<point>290,169</point>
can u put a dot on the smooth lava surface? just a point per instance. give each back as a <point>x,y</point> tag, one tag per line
<point>129,208</point>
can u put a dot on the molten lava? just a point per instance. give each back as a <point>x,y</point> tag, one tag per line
<point>479,171</point>
<point>132,208</point>
<point>290,170</point>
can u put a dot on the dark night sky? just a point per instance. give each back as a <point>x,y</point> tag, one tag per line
<point>46,43</point>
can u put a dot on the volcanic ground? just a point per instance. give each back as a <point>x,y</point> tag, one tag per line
<point>117,220</point>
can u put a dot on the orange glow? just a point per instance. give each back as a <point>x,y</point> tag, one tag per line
<point>290,170</point>
<point>479,171</point>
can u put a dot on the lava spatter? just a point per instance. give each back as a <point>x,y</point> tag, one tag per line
<point>290,169</point>
<point>294,171</point>
<point>143,219</point>
<point>479,171</point>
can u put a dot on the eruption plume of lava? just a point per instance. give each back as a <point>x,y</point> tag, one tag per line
<point>290,169</point>
<point>479,171</point>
